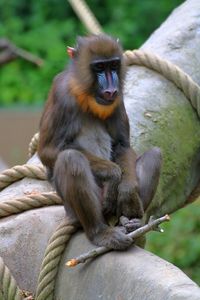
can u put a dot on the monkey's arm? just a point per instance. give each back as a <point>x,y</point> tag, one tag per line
<point>129,202</point>
<point>127,162</point>
<point>47,148</point>
<point>60,122</point>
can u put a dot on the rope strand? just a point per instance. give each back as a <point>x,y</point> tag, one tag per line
<point>52,257</point>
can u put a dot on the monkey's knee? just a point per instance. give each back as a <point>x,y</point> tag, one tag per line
<point>149,162</point>
<point>156,155</point>
<point>70,172</point>
<point>71,162</point>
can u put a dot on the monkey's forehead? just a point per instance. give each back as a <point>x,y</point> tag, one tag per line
<point>102,45</point>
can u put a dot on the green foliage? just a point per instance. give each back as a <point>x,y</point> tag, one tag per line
<point>45,28</point>
<point>180,242</point>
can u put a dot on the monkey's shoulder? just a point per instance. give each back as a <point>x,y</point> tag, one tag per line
<point>60,77</point>
<point>61,98</point>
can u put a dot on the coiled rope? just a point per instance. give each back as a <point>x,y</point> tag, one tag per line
<point>57,243</point>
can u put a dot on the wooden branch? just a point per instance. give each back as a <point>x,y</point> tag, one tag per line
<point>152,225</point>
<point>10,52</point>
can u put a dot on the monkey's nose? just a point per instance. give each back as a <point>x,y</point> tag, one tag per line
<point>110,94</point>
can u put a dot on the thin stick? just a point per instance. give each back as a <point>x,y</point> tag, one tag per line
<point>152,225</point>
<point>29,56</point>
<point>10,52</point>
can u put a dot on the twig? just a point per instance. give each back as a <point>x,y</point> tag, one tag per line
<point>152,225</point>
<point>29,57</point>
<point>10,52</point>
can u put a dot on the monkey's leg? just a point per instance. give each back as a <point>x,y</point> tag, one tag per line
<point>148,168</point>
<point>75,184</point>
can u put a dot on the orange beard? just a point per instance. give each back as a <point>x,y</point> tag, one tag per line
<point>89,104</point>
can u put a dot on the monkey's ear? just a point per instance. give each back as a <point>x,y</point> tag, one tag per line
<point>71,52</point>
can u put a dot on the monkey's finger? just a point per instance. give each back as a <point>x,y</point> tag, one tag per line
<point>133,225</point>
<point>122,229</point>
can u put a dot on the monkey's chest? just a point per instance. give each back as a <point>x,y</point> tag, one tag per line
<point>95,139</point>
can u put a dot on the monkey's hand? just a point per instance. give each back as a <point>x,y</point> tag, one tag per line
<point>112,237</point>
<point>129,205</point>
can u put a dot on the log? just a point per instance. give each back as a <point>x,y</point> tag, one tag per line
<point>160,115</point>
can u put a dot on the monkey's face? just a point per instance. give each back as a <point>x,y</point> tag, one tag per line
<point>98,71</point>
<point>106,79</point>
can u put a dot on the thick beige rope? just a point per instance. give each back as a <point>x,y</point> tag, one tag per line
<point>52,257</point>
<point>86,16</point>
<point>33,145</point>
<point>8,285</point>
<point>18,172</point>
<point>170,71</point>
<point>18,205</point>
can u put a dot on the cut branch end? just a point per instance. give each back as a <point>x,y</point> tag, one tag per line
<point>71,263</point>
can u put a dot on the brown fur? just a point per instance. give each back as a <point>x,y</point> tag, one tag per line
<point>74,168</point>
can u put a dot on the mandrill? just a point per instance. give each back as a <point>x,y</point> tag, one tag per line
<point>85,144</point>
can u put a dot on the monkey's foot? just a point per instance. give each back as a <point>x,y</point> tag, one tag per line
<point>112,237</point>
<point>131,224</point>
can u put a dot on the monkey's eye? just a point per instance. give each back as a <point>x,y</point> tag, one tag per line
<point>115,64</point>
<point>98,67</point>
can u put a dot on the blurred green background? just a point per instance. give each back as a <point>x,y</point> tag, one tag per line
<point>45,28</point>
<point>180,242</point>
